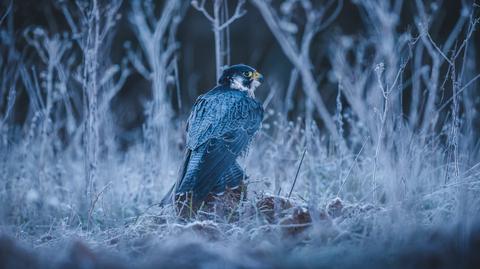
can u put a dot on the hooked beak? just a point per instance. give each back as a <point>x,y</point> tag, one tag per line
<point>257,76</point>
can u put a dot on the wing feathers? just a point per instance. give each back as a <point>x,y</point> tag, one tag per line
<point>210,162</point>
<point>220,127</point>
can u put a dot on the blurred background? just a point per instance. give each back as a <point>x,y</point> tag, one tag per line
<point>371,126</point>
<point>251,42</point>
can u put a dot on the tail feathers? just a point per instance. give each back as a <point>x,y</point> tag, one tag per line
<point>231,178</point>
<point>170,196</point>
<point>211,165</point>
<point>205,168</point>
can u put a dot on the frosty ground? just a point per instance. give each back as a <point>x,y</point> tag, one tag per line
<point>128,229</point>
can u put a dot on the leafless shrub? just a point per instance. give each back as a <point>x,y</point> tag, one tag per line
<point>221,20</point>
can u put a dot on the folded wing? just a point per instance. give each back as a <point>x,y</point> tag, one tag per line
<point>220,128</point>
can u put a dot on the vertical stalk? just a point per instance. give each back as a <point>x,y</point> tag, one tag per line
<point>91,132</point>
<point>217,33</point>
<point>46,116</point>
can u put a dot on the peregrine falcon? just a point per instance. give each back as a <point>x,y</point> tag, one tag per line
<point>221,125</point>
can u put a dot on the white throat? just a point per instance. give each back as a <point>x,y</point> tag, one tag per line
<point>237,84</point>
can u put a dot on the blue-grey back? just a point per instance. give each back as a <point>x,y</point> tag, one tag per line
<point>219,111</point>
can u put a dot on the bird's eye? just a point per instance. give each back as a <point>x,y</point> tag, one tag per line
<point>247,74</point>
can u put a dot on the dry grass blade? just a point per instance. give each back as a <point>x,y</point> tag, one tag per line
<point>296,174</point>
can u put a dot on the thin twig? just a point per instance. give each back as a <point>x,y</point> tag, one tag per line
<point>9,8</point>
<point>344,180</point>
<point>459,91</point>
<point>94,202</point>
<point>268,99</point>
<point>298,171</point>
<point>438,49</point>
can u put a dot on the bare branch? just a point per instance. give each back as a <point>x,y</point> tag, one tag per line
<point>477,77</point>
<point>143,31</point>
<point>220,23</point>
<point>332,17</point>
<point>135,59</point>
<point>124,74</point>
<point>472,28</point>
<point>162,24</point>
<point>438,49</point>
<point>7,11</point>
<point>290,89</point>
<point>239,12</point>
<point>112,17</point>
<point>201,7</point>
<point>300,57</point>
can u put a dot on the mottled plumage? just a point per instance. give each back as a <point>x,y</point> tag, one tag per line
<point>220,127</point>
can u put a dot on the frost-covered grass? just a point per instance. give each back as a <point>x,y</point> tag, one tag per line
<point>392,179</point>
<point>414,209</point>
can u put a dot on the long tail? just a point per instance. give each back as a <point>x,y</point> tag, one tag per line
<point>231,178</point>
<point>211,167</point>
<point>170,195</point>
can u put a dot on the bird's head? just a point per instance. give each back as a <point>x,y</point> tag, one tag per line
<point>241,77</point>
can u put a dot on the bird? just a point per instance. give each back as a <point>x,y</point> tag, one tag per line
<point>221,126</point>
